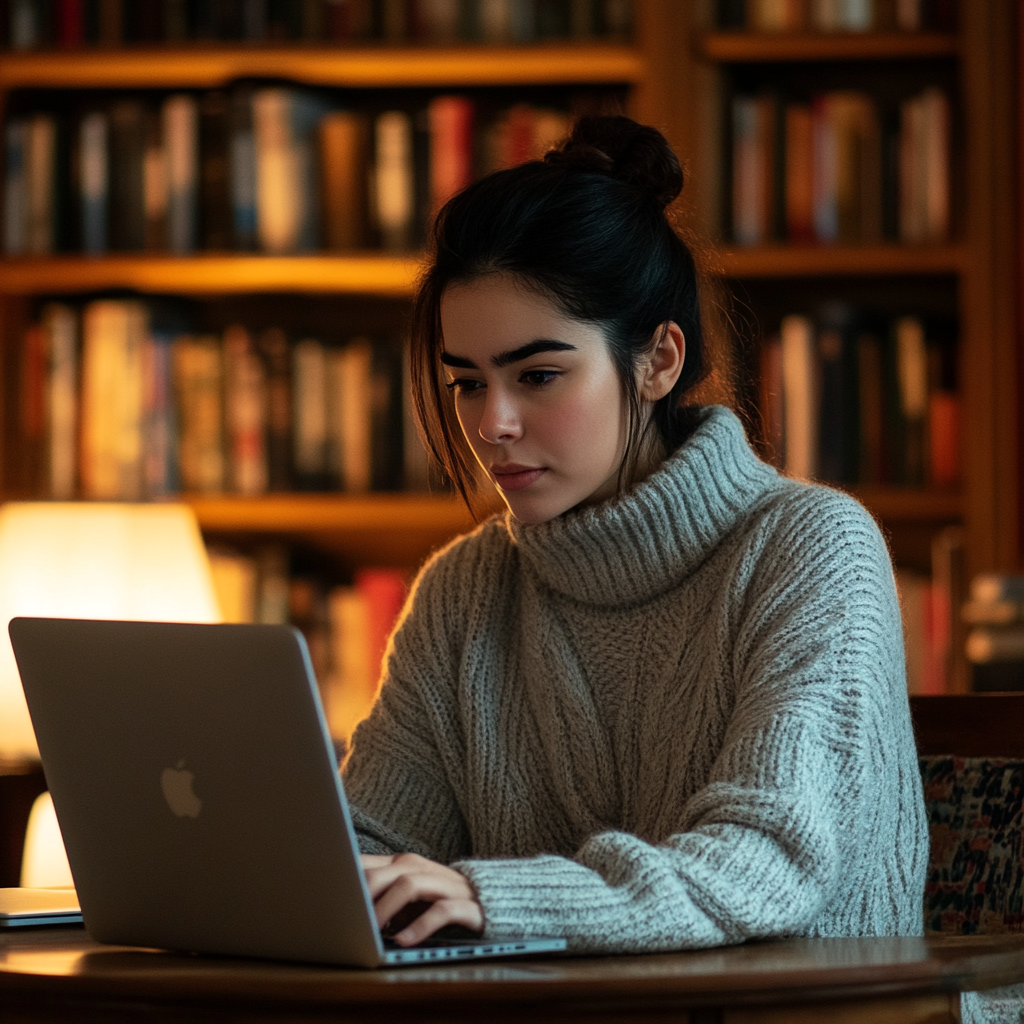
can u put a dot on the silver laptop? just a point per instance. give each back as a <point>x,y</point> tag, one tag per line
<point>197,791</point>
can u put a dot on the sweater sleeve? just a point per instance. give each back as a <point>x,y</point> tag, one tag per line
<point>817,650</point>
<point>398,780</point>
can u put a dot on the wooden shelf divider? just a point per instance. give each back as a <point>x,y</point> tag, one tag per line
<point>370,67</point>
<point>751,47</point>
<point>839,260</point>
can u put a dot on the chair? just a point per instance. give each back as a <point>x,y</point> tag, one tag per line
<point>971,751</point>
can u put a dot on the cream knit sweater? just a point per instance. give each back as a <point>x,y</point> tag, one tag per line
<point>674,720</point>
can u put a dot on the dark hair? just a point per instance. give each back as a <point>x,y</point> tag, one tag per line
<point>587,228</point>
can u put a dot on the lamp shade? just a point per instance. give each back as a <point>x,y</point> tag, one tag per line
<point>94,561</point>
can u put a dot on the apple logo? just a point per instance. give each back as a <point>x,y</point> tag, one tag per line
<point>177,786</point>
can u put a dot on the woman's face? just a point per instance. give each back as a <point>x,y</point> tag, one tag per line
<point>537,396</point>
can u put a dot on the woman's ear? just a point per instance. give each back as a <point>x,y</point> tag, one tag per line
<point>661,369</point>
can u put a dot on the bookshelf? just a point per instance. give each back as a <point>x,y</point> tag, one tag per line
<point>674,75</point>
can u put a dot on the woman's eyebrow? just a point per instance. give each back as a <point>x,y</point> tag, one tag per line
<point>513,356</point>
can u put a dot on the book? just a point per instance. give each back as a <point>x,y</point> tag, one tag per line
<point>273,347</point>
<point>215,184</point>
<point>110,23</point>
<point>800,397</point>
<point>351,688</point>
<point>15,187</point>
<point>127,175</point>
<point>415,461</point>
<point>384,592</point>
<point>243,170</point>
<point>159,412</point>
<point>772,401</point>
<point>309,410</point>
<point>110,465</point>
<point>94,181</point>
<point>924,147</point>
<point>245,413</point>
<point>451,148</point>
<point>344,145</point>
<point>987,644</point>
<point>753,187</point>
<point>871,409</point>
<point>992,613</point>
<point>234,582</point>
<point>943,438</point>
<point>386,429</point>
<point>25,30</point>
<point>32,408</point>
<point>154,187</point>
<point>838,456</point>
<point>198,380</point>
<point>395,190</point>
<point>912,377</point>
<point>991,587</point>
<point>355,375</point>
<point>61,406</point>
<point>180,121</point>
<point>272,585</point>
<point>495,18</point>
<point>799,173</point>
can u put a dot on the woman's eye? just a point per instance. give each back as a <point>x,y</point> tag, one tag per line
<point>538,378</point>
<point>464,385</point>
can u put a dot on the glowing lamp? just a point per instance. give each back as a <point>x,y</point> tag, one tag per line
<point>94,561</point>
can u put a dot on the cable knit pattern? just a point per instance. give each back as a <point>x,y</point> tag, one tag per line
<point>674,720</point>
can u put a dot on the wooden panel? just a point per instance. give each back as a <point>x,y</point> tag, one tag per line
<point>353,68</point>
<point>830,260</point>
<point>357,273</point>
<point>935,1009</point>
<point>971,725</point>
<point>737,47</point>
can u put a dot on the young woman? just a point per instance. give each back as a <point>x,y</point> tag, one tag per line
<point>660,702</point>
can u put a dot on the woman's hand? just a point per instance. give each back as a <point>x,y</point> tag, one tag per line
<point>396,882</point>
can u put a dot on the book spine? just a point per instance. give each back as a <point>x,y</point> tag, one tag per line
<point>41,178</point>
<point>243,170</point>
<point>32,406</point>
<point>277,173</point>
<point>386,418</point>
<point>936,117</point>
<point>451,148</point>
<point>234,582</point>
<point>871,408</point>
<point>245,412</point>
<point>154,184</point>
<point>352,690</point>
<point>160,428</point>
<point>748,175</point>
<point>415,462</point>
<point>356,415</point>
<point>394,181</point>
<point>944,438</point>
<point>62,400</point>
<point>277,360</point>
<point>912,374</point>
<point>180,133</point>
<point>384,592</point>
<point>70,24</point>
<point>343,148</point>
<point>111,23</point>
<point>127,176</point>
<point>198,381</point>
<point>825,177</point>
<point>26,30</point>
<point>800,396</point>
<point>799,174</point>
<point>496,20</point>
<point>772,403</point>
<point>215,171</point>
<point>15,188</point>
<point>309,405</point>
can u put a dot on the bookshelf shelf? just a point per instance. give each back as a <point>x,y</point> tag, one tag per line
<point>308,513</point>
<point>902,505</point>
<point>840,260</point>
<point>356,273</point>
<point>378,67</point>
<point>749,47</point>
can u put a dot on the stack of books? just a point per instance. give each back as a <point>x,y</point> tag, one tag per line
<point>837,15</point>
<point>73,24</point>
<point>346,627</point>
<point>837,169</point>
<point>276,169</point>
<point>117,404</point>
<point>995,642</point>
<point>850,398</point>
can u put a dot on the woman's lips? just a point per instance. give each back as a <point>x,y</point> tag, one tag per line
<point>515,478</point>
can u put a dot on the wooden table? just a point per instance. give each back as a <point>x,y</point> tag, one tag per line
<point>61,975</point>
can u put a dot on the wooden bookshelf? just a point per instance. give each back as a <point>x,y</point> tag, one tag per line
<point>211,274</point>
<point>840,260</point>
<point>892,505</point>
<point>200,67</point>
<point>766,48</point>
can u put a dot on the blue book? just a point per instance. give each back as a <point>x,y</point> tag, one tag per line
<point>94,161</point>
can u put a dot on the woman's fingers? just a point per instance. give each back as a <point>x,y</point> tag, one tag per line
<point>420,885</point>
<point>443,912</point>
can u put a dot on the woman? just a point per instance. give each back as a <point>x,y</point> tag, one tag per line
<point>660,703</point>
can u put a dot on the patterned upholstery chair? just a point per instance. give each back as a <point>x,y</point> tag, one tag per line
<point>971,752</point>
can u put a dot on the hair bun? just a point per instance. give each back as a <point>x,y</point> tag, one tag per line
<point>619,147</point>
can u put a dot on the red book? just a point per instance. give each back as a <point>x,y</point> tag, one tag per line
<point>70,24</point>
<point>384,592</point>
<point>451,147</point>
<point>944,438</point>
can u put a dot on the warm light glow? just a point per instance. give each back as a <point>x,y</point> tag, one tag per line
<point>94,561</point>
<point>44,864</point>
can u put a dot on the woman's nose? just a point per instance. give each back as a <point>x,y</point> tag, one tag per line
<point>501,421</point>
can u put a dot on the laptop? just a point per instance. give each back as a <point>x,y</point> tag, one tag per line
<point>197,791</point>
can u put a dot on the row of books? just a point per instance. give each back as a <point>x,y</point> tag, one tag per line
<point>849,399</point>
<point>837,169</point>
<point>274,169</point>
<point>115,406</point>
<point>837,15</point>
<point>346,627</point>
<point>73,24</point>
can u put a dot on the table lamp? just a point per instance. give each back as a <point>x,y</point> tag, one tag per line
<point>93,561</point>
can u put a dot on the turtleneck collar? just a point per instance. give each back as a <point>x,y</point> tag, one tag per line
<point>631,548</point>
